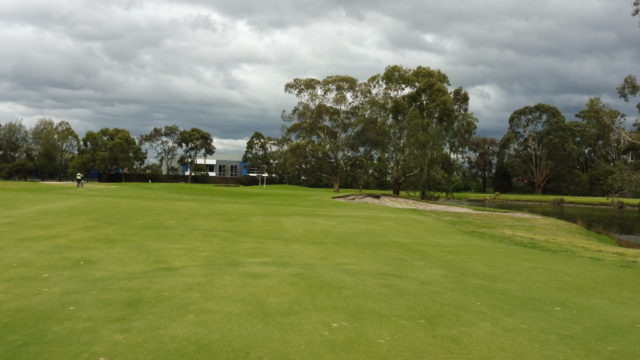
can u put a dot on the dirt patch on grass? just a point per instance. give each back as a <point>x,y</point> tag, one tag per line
<point>403,203</point>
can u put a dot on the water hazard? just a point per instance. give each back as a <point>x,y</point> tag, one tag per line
<point>622,224</point>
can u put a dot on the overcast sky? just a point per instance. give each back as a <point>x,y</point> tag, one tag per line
<point>222,65</point>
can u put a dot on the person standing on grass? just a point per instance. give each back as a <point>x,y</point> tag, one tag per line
<point>79,178</point>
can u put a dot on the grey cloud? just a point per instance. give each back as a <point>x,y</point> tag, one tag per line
<point>222,65</point>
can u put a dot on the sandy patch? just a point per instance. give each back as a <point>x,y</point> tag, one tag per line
<point>398,202</point>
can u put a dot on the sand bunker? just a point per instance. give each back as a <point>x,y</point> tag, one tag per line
<point>399,202</point>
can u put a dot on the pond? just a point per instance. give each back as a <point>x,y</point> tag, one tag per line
<point>622,224</point>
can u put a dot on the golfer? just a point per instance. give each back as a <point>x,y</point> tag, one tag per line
<point>79,178</point>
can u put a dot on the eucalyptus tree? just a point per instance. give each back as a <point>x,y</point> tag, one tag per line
<point>389,98</point>
<point>164,142</point>
<point>425,121</point>
<point>257,154</point>
<point>14,138</point>
<point>533,131</point>
<point>481,157</point>
<point>601,131</point>
<point>55,145</point>
<point>68,144</point>
<point>108,150</point>
<point>43,141</point>
<point>279,158</point>
<point>195,142</point>
<point>324,120</point>
<point>368,144</point>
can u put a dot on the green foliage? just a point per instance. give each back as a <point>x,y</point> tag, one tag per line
<point>481,158</point>
<point>324,120</point>
<point>106,151</point>
<point>164,142</point>
<point>400,124</point>
<point>14,139</point>
<point>625,180</point>
<point>194,142</point>
<point>258,154</point>
<point>55,145</point>
<point>533,130</point>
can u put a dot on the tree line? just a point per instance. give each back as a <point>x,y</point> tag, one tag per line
<point>53,151</point>
<point>409,129</point>
<point>404,129</point>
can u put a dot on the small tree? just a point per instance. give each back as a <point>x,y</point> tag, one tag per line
<point>194,142</point>
<point>257,154</point>
<point>481,157</point>
<point>164,142</point>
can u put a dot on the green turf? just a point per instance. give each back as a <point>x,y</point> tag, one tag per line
<point>159,271</point>
<point>580,200</point>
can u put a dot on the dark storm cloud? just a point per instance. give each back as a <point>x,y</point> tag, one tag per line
<point>222,65</point>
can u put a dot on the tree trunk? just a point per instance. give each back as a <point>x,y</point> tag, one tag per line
<point>336,185</point>
<point>424,184</point>
<point>537,188</point>
<point>484,183</point>
<point>396,186</point>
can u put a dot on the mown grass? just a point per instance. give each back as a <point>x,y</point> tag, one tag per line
<point>579,200</point>
<point>159,271</point>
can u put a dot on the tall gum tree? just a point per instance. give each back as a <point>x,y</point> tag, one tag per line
<point>388,96</point>
<point>532,130</point>
<point>164,142</point>
<point>425,122</point>
<point>324,119</point>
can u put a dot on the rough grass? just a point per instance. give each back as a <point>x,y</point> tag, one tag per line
<point>155,271</point>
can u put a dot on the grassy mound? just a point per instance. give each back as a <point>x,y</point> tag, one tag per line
<point>176,271</point>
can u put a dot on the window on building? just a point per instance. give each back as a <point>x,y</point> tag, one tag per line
<point>222,170</point>
<point>211,168</point>
<point>234,170</point>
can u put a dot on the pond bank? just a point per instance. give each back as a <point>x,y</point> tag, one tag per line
<point>553,199</point>
<point>621,224</point>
